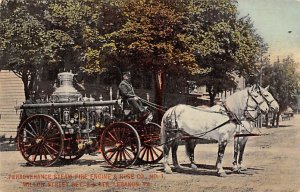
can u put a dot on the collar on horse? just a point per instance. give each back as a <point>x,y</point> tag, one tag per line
<point>232,116</point>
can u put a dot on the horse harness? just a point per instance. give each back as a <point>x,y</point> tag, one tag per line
<point>247,111</point>
<point>269,102</point>
<point>232,118</point>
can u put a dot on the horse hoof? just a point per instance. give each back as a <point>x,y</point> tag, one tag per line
<point>235,169</point>
<point>176,168</point>
<point>222,174</point>
<point>243,169</point>
<point>168,170</point>
<point>193,166</point>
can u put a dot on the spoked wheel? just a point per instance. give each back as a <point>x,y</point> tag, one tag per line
<point>69,158</point>
<point>120,145</point>
<point>151,151</point>
<point>40,140</point>
<point>71,152</point>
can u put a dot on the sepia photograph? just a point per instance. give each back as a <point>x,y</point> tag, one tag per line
<point>149,95</point>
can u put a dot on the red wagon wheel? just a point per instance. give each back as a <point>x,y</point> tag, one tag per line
<point>120,145</point>
<point>69,158</point>
<point>71,152</point>
<point>40,140</point>
<point>151,151</point>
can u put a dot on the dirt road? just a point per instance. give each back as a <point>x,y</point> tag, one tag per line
<point>273,163</point>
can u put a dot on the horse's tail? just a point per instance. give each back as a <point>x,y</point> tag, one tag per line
<point>166,123</point>
<point>163,125</point>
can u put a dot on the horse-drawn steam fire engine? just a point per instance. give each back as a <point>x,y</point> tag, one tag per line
<point>67,126</point>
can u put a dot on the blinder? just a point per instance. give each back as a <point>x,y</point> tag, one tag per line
<point>249,108</point>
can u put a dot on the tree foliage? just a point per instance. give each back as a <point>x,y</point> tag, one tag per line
<point>159,36</point>
<point>154,38</point>
<point>283,79</point>
<point>22,39</point>
<point>227,44</point>
<point>79,29</point>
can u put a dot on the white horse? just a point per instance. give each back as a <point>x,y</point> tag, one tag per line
<point>243,131</point>
<point>272,103</point>
<point>240,141</point>
<point>183,120</point>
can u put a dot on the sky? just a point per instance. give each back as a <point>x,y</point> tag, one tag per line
<point>278,23</point>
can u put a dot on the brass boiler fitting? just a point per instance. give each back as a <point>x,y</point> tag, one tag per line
<point>82,144</point>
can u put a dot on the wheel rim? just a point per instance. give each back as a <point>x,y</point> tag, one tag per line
<point>68,158</point>
<point>120,145</point>
<point>40,140</point>
<point>151,151</point>
<point>71,152</point>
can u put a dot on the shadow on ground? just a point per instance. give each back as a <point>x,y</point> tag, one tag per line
<point>210,170</point>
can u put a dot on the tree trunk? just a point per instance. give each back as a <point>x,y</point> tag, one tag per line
<point>274,119</point>
<point>28,83</point>
<point>277,119</point>
<point>267,120</point>
<point>25,83</point>
<point>212,96</point>
<point>159,91</point>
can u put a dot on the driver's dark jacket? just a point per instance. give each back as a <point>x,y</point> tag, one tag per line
<point>126,90</point>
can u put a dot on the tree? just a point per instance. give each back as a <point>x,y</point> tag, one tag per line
<point>37,35</point>
<point>158,36</point>
<point>22,39</point>
<point>227,44</point>
<point>283,79</point>
<point>153,39</point>
<point>80,28</point>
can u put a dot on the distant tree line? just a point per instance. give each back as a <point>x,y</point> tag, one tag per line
<point>283,78</point>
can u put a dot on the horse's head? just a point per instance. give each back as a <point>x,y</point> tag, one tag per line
<point>256,101</point>
<point>273,104</point>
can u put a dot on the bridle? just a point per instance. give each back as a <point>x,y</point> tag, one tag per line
<point>269,101</point>
<point>249,108</point>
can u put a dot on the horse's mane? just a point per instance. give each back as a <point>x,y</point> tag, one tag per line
<point>236,102</point>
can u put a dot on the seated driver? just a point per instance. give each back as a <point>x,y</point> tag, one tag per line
<point>127,94</point>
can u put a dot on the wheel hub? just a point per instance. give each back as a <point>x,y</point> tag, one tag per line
<point>39,140</point>
<point>118,144</point>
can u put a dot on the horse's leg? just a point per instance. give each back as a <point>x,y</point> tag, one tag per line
<point>190,151</point>
<point>242,145</point>
<point>166,149</point>
<point>174,154</point>
<point>219,163</point>
<point>235,167</point>
<point>166,143</point>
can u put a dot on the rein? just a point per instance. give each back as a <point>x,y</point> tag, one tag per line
<point>198,136</point>
<point>232,118</point>
<point>153,105</point>
<point>249,134</point>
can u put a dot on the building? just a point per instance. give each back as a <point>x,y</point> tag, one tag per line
<point>203,96</point>
<point>11,95</point>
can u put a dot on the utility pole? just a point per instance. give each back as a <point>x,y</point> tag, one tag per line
<point>263,63</point>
